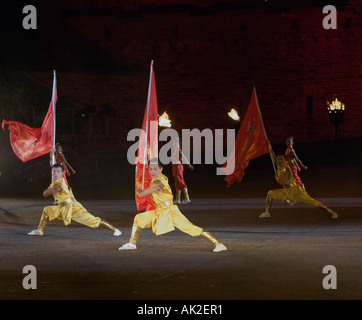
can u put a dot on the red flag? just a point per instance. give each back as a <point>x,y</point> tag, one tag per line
<point>148,145</point>
<point>251,141</point>
<point>29,143</point>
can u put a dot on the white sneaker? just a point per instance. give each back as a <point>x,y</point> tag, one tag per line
<point>117,233</point>
<point>220,247</point>
<point>128,246</point>
<point>35,232</point>
<point>186,201</point>
<point>265,215</point>
<point>334,215</point>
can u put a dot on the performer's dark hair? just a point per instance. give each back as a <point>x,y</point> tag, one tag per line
<point>57,165</point>
<point>156,161</point>
<point>58,144</point>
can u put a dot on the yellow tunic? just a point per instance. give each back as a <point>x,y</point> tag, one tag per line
<point>167,216</point>
<point>290,188</point>
<point>69,211</point>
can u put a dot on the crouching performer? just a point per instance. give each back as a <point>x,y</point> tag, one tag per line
<point>166,217</point>
<point>67,208</point>
<point>291,192</point>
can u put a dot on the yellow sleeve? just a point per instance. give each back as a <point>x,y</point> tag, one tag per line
<point>159,182</point>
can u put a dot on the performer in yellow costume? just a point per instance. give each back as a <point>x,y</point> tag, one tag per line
<point>291,192</point>
<point>67,208</point>
<point>166,217</point>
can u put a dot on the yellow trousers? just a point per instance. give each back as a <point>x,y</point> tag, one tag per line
<point>72,212</point>
<point>166,220</point>
<point>294,194</point>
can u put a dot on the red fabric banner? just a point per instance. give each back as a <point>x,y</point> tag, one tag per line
<point>148,146</point>
<point>251,141</point>
<point>29,143</point>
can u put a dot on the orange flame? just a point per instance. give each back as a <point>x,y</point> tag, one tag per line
<point>233,114</point>
<point>164,120</point>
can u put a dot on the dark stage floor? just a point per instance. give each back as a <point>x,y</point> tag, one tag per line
<point>276,258</point>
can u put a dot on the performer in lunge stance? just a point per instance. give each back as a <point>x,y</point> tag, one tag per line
<point>166,217</point>
<point>67,208</point>
<point>294,163</point>
<point>291,192</point>
<point>178,173</point>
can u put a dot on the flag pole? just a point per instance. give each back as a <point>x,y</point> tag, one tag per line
<point>54,99</point>
<point>262,122</point>
<point>147,117</point>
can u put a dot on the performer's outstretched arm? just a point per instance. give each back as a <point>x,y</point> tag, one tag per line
<point>68,165</point>
<point>54,189</point>
<point>272,153</point>
<point>153,188</point>
<point>298,161</point>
